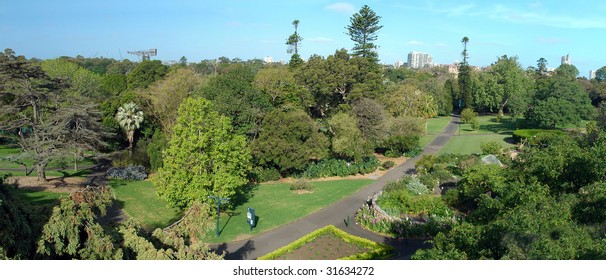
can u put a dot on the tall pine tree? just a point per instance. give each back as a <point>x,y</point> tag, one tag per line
<point>363,29</point>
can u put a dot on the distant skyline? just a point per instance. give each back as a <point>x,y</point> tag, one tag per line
<point>250,29</point>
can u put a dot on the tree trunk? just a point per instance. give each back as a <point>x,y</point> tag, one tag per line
<point>76,161</point>
<point>131,138</point>
<point>41,169</point>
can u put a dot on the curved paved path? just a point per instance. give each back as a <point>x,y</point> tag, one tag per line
<point>336,214</point>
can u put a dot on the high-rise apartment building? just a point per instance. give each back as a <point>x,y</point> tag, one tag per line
<point>566,59</point>
<point>591,74</point>
<point>419,60</point>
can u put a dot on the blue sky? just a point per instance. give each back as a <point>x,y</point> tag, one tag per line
<point>249,29</point>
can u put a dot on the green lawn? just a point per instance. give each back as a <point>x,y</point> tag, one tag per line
<point>276,205</point>
<point>65,163</point>
<point>434,127</point>
<point>140,201</point>
<point>41,198</point>
<point>59,173</point>
<point>489,124</point>
<point>470,144</point>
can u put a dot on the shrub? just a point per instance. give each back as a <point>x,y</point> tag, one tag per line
<point>475,124</point>
<point>525,134</point>
<point>468,115</point>
<point>415,186</point>
<point>400,144</point>
<point>132,172</point>
<point>388,164</point>
<point>491,148</point>
<point>300,184</point>
<point>339,167</point>
<point>260,174</point>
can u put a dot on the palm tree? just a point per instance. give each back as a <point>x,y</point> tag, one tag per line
<point>129,118</point>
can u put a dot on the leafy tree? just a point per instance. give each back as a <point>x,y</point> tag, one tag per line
<point>204,157</point>
<point>372,120</point>
<point>29,96</point>
<point>567,71</point>
<point>600,74</point>
<point>235,96</point>
<point>113,84</point>
<point>506,86</point>
<point>347,140</point>
<point>73,230</point>
<point>179,242</point>
<point>129,117</point>
<point>279,83</point>
<point>146,73</point>
<point>164,96</point>
<point>295,61</point>
<point>328,80</point>
<point>81,81</point>
<point>80,129</point>
<point>560,101</point>
<point>542,66</point>
<point>363,29</point>
<point>294,40</point>
<point>288,141</point>
<point>468,115</point>
<point>601,115</point>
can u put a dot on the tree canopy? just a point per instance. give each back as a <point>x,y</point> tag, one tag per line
<point>204,157</point>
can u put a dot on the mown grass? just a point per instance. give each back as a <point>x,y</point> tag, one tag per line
<point>276,205</point>
<point>66,162</point>
<point>41,198</point>
<point>470,144</point>
<point>140,201</point>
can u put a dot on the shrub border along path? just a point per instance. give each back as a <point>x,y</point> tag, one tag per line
<point>337,214</point>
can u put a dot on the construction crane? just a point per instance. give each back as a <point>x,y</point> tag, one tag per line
<point>145,55</point>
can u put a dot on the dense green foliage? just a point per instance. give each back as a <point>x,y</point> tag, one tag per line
<point>527,134</point>
<point>288,141</point>
<point>339,167</point>
<point>544,205</point>
<point>204,157</point>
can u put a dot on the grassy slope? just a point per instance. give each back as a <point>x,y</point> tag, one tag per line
<point>276,205</point>
<point>469,140</point>
<point>140,201</point>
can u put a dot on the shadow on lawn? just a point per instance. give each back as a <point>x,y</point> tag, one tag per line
<point>239,254</point>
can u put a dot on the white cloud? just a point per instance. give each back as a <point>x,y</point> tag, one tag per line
<point>342,7</point>
<point>501,12</point>
<point>459,10</point>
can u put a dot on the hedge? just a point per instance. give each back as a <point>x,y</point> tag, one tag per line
<point>376,251</point>
<point>523,134</point>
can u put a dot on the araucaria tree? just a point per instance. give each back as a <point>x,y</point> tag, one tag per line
<point>294,40</point>
<point>205,157</point>
<point>129,117</point>
<point>363,29</point>
<point>465,88</point>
